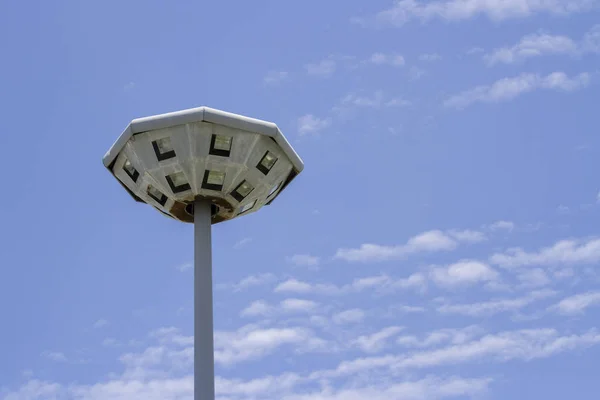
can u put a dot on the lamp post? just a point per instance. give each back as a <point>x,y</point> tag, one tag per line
<point>203,166</point>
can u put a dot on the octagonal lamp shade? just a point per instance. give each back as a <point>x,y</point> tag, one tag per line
<point>169,160</point>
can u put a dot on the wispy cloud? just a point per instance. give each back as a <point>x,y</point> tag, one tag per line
<point>323,68</point>
<point>467,235</point>
<point>393,59</point>
<point>569,252</point>
<point>577,304</point>
<point>404,11</point>
<point>251,342</point>
<point>248,282</point>
<point>534,277</point>
<point>310,124</point>
<point>463,273</point>
<point>164,370</point>
<point>441,336</point>
<point>378,283</point>
<point>502,226</point>
<point>100,323</point>
<point>354,315</point>
<point>242,242</point>
<point>377,341</point>
<point>287,306</point>
<point>541,44</point>
<point>55,356</point>
<point>495,306</point>
<point>415,73</point>
<point>129,87</point>
<point>534,45</point>
<point>430,57</point>
<point>186,266</point>
<point>510,88</point>
<point>431,241</point>
<point>376,100</point>
<point>525,344</point>
<point>275,77</point>
<point>304,260</point>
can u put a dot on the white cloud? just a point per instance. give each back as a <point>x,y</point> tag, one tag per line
<point>431,241</point>
<point>295,286</point>
<point>351,316</point>
<point>540,44</point>
<point>275,77</point>
<point>534,45</point>
<point>100,323</point>
<point>562,209</point>
<point>468,236</point>
<point>425,389</point>
<point>323,68</point>
<point>304,260</point>
<point>474,50</point>
<point>298,305</point>
<point>309,124</point>
<point>257,308</point>
<point>397,102</point>
<point>441,336</point>
<point>287,306</point>
<point>377,100</point>
<point>575,305</point>
<point>495,306</point>
<point>55,356</point>
<point>525,344</point>
<point>129,87</point>
<point>502,226</point>
<point>404,11</point>
<point>377,341</point>
<point>465,272</point>
<point>563,253</point>
<point>591,40</point>
<point>164,372</point>
<point>263,387</point>
<point>110,342</point>
<point>395,60</point>
<point>251,342</point>
<point>35,389</point>
<point>430,57</point>
<point>282,387</point>
<point>406,309</point>
<point>534,277</point>
<point>248,282</point>
<point>187,266</point>
<point>416,73</point>
<point>510,88</point>
<point>242,242</point>
<point>380,283</point>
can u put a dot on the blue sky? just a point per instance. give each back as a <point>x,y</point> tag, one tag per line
<point>441,242</point>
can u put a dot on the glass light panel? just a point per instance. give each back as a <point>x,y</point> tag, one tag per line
<point>244,189</point>
<point>215,178</point>
<point>154,192</point>
<point>164,145</point>
<point>247,207</point>
<point>274,189</point>
<point>268,160</point>
<point>222,142</point>
<point>129,168</point>
<point>178,179</point>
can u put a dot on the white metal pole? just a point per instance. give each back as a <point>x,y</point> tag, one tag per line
<point>204,367</point>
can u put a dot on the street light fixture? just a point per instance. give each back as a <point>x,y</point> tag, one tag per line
<point>203,166</point>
